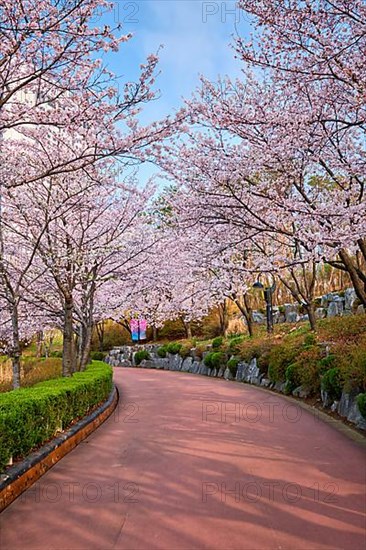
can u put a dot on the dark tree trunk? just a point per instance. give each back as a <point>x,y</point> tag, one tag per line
<point>39,343</point>
<point>310,310</point>
<point>85,348</point>
<point>187,328</point>
<point>223,317</point>
<point>303,289</point>
<point>68,338</point>
<point>357,276</point>
<point>15,352</point>
<point>100,329</point>
<point>246,310</point>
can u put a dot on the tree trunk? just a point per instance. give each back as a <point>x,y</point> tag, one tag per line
<point>68,338</point>
<point>310,310</point>
<point>48,346</point>
<point>39,343</point>
<point>155,333</point>
<point>187,328</point>
<point>247,313</point>
<point>85,348</point>
<point>99,327</point>
<point>15,353</point>
<point>357,277</point>
<point>223,317</point>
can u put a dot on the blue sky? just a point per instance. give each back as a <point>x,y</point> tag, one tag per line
<point>195,36</point>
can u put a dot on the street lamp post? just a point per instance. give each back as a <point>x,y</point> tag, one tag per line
<point>268,294</point>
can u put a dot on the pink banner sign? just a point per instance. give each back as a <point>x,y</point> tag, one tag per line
<point>134,326</point>
<point>142,327</point>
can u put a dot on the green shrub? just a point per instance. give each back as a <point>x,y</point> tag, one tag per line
<point>199,350</point>
<point>31,416</point>
<point>309,340</point>
<point>217,342</point>
<point>361,402</point>
<point>173,347</point>
<point>56,353</point>
<point>354,369</point>
<point>232,365</point>
<point>309,368</point>
<point>214,359</point>
<point>141,355</point>
<point>332,383</point>
<point>327,363</point>
<point>97,355</point>
<point>234,343</point>
<point>292,378</point>
<point>280,357</point>
<point>218,359</point>
<point>185,350</point>
<point>208,359</point>
<point>161,352</point>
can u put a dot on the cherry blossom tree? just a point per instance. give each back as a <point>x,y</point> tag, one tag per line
<point>278,157</point>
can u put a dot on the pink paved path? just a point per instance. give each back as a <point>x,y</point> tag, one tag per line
<point>189,462</point>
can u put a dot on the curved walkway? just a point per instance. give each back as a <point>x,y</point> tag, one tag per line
<point>189,462</point>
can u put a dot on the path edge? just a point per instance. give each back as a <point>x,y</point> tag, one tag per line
<point>21,476</point>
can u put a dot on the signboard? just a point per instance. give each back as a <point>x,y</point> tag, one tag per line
<point>142,327</point>
<point>134,326</point>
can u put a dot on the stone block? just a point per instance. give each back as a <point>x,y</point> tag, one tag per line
<point>335,308</point>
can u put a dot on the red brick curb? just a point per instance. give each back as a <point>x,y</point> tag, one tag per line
<point>21,476</point>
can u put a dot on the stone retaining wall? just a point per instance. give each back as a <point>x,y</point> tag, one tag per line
<point>330,305</point>
<point>246,372</point>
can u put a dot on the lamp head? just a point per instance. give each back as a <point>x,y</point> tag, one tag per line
<point>258,284</point>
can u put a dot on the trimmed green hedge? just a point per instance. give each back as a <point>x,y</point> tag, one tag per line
<point>31,416</point>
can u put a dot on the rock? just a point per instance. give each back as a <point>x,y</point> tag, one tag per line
<point>300,391</point>
<point>221,372</point>
<point>304,318</point>
<point>335,308</point>
<point>350,299</point>
<point>360,309</point>
<point>320,313</point>
<point>196,367</point>
<point>256,380</point>
<point>174,360</point>
<point>147,364</point>
<point>347,407</point>
<point>187,364</point>
<point>265,382</point>
<point>228,375</point>
<point>240,373</point>
<point>203,369</point>
<point>162,363</point>
<point>280,386</point>
<point>326,299</point>
<point>258,317</point>
<point>292,313</point>
<point>292,317</point>
<point>278,317</point>
<point>325,398</point>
